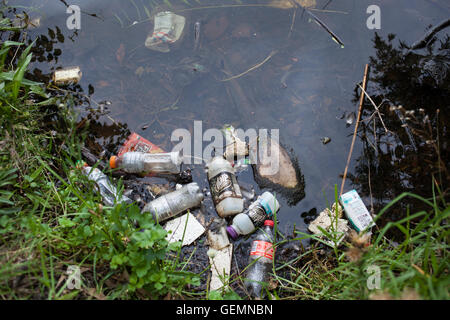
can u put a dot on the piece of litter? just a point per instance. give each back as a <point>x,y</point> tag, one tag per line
<point>220,254</point>
<point>67,75</point>
<point>327,221</point>
<point>220,267</point>
<point>168,29</point>
<point>178,225</point>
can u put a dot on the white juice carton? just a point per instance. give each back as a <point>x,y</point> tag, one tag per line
<point>356,211</point>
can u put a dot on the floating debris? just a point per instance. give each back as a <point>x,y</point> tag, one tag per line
<point>325,140</point>
<point>328,221</point>
<point>67,75</point>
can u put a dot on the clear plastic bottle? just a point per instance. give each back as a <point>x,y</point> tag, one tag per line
<point>103,186</point>
<point>245,223</point>
<point>143,163</point>
<point>263,252</point>
<point>225,191</point>
<point>173,203</point>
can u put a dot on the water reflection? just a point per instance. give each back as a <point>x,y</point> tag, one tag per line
<point>412,90</point>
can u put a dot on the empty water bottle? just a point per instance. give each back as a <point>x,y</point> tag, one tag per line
<point>103,186</point>
<point>225,191</point>
<point>260,210</point>
<point>144,163</point>
<point>260,261</point>
<point>173,203</point>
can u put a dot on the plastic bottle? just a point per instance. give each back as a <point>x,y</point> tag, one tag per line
<point>262,251</point>
<point>103,186</point>
<point>245,223</point>
<point>168,28</point>
<point>225,191</point>
<point>173,203</point>
<point>143,163</point>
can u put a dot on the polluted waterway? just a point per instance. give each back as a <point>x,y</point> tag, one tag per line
<point>262,65</point>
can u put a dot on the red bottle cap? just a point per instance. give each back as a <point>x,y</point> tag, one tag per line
<point>113,162</point>
<point>269,223</point>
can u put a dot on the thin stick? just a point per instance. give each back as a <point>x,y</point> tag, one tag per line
<point>376,108</point>
<point>292,23</point>
<point>252,68</point>
<point>361,101</point>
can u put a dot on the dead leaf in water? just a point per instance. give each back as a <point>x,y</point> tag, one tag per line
<point>102,84</point>
<point>287,4</point>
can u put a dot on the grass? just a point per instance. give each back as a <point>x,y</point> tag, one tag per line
<point>50,220</point>
<point>415,268</point>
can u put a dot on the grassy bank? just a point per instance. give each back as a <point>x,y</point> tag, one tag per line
<point>51,220</point>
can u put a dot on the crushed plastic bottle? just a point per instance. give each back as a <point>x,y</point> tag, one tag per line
<point>225,191</point>
<point>173,203</point>
<point>70,75</point>
<point>260,210</point>
<point>168,29</point>
<point>260,261</point>
<point>103,186</point>
<point>143,163</point>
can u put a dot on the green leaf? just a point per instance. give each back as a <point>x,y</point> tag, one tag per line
<point>66,223</point>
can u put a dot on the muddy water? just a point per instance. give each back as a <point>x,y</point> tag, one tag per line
<point>303,90</point>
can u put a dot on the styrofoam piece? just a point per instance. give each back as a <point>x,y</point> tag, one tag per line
<point>193,229</point>
<point>220,261</point>
<point>325,220</point>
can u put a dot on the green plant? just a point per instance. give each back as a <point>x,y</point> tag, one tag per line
<point>418,265</point>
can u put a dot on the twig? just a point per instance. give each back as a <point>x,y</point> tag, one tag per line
<point>361,101</point>
<point>427,37</point>
<point>376,108</point>
<point>252,68</point>
<point>327,29</point>
<point>293,22</point>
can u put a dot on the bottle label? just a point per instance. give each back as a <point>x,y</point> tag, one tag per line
<point>257,214</point>
<point>262,249</point>
<point>224,185</point>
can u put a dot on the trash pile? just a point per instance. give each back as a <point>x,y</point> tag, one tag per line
<point>236,217</point>
<point>174,209</point>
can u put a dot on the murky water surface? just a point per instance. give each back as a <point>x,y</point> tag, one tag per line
<point>305,86</point>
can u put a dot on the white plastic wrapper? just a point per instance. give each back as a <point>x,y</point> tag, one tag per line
<point>168,28</point>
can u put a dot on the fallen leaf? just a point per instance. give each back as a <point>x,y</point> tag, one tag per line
<point>287,4</point>
<point>102,84</point>
<point>120,53</point>
<point>93,293</point>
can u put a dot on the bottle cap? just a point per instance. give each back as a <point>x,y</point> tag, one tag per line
<point>269,223</point>
<point>113,162</point>
<point>269,203</point>
<point>233,234</point>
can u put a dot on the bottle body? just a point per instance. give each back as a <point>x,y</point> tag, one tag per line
<point>260,210</point>
<point>260,261</point>
<point>103,186</point>
<point>225,191</point>
<point>173,203</point>
<point>142,163</point>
